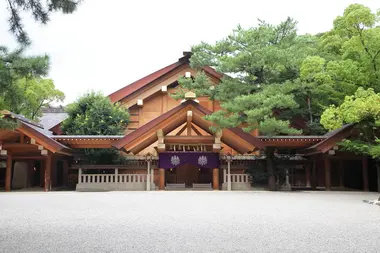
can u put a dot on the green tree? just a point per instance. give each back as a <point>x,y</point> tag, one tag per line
<point>259,64</point>
<point>35,94</point>
<point>348,58</point>
<point>40,11</point>
<point>23,89</point>
<point>94,114</point>
<point>363,111</point>
<point>256,63</point>
<point>355,40</point>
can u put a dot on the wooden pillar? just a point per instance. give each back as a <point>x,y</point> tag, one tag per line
<point>365,173</point>
<point>215,179</point>
<point>65,172</point>
<point>8,174</point>
<point>341,176</point>
<point>314,175</point>
<point>53,177</point>
<point>48,173</point>
<point>327,174</point>
<point>161,185</point>
<point>270,169</point>
<point>307,174</point>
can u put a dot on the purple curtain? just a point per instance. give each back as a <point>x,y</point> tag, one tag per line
<point>175,159</point>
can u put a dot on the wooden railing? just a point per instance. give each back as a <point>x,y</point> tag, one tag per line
<point>238,178</point>
<point>112,178</point>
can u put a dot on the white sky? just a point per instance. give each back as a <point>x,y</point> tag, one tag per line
<point>108,44</point>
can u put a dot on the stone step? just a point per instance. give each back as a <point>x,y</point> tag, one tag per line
<point>175,186</point>
<point>202,186</point>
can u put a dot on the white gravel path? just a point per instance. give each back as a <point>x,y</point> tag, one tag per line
<point>189,222</point>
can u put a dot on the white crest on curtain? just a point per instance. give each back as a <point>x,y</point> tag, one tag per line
<point>174,160</point>
<point>202,160</point>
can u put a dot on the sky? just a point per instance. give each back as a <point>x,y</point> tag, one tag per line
<point>106,45</point>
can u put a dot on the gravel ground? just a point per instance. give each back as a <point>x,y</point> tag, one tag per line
<point>189,222</point>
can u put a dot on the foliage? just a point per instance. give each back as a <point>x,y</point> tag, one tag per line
<point>363,110</point>
<point>258,64</point>
<point>40,11</point>
<point>275,77</point>
<point>35,94</point>
<point>6,123</point>
<point>94,114</point>
<point>23,90</point>
<point>355,43</point>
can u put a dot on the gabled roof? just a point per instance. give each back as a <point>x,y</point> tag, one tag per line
<point>331,139</point>
<point>45,140</point>
<point>21,118</point>
<point>36,131</point>
<point>141,83</point>
<point>146,135</point>
<point>52,119</point>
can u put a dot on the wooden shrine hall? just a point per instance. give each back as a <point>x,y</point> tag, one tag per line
<point>168,145</point>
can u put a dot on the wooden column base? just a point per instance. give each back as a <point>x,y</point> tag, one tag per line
<point>161,185</point>
<point>215,179</point>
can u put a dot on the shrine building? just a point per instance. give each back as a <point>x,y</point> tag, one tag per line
<point>168,145</point>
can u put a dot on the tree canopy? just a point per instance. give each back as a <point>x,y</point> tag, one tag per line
<point>275,78</point>
<point>40,11</point>
<point>256,63</point>
<point>23,88</point>
<point>94,114</point>
<point>363,110</point>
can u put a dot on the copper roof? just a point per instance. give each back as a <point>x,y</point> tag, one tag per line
<point>137,85</point>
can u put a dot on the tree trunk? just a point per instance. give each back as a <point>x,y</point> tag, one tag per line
<point>270,169</point>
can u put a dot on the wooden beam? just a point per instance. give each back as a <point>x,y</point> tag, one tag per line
<point>22,138</point>
<point>196,130</point>
<point>189,140</point>
<point>91,146</point>
<point>26,157</point>
<point>189,119</point>
<point>19,146</point>
<point>182,129</point>
<point>8,174</point>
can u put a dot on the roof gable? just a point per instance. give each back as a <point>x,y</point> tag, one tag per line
<point>146,135</point>
<point>145,81</point>
<point>332,138</point>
